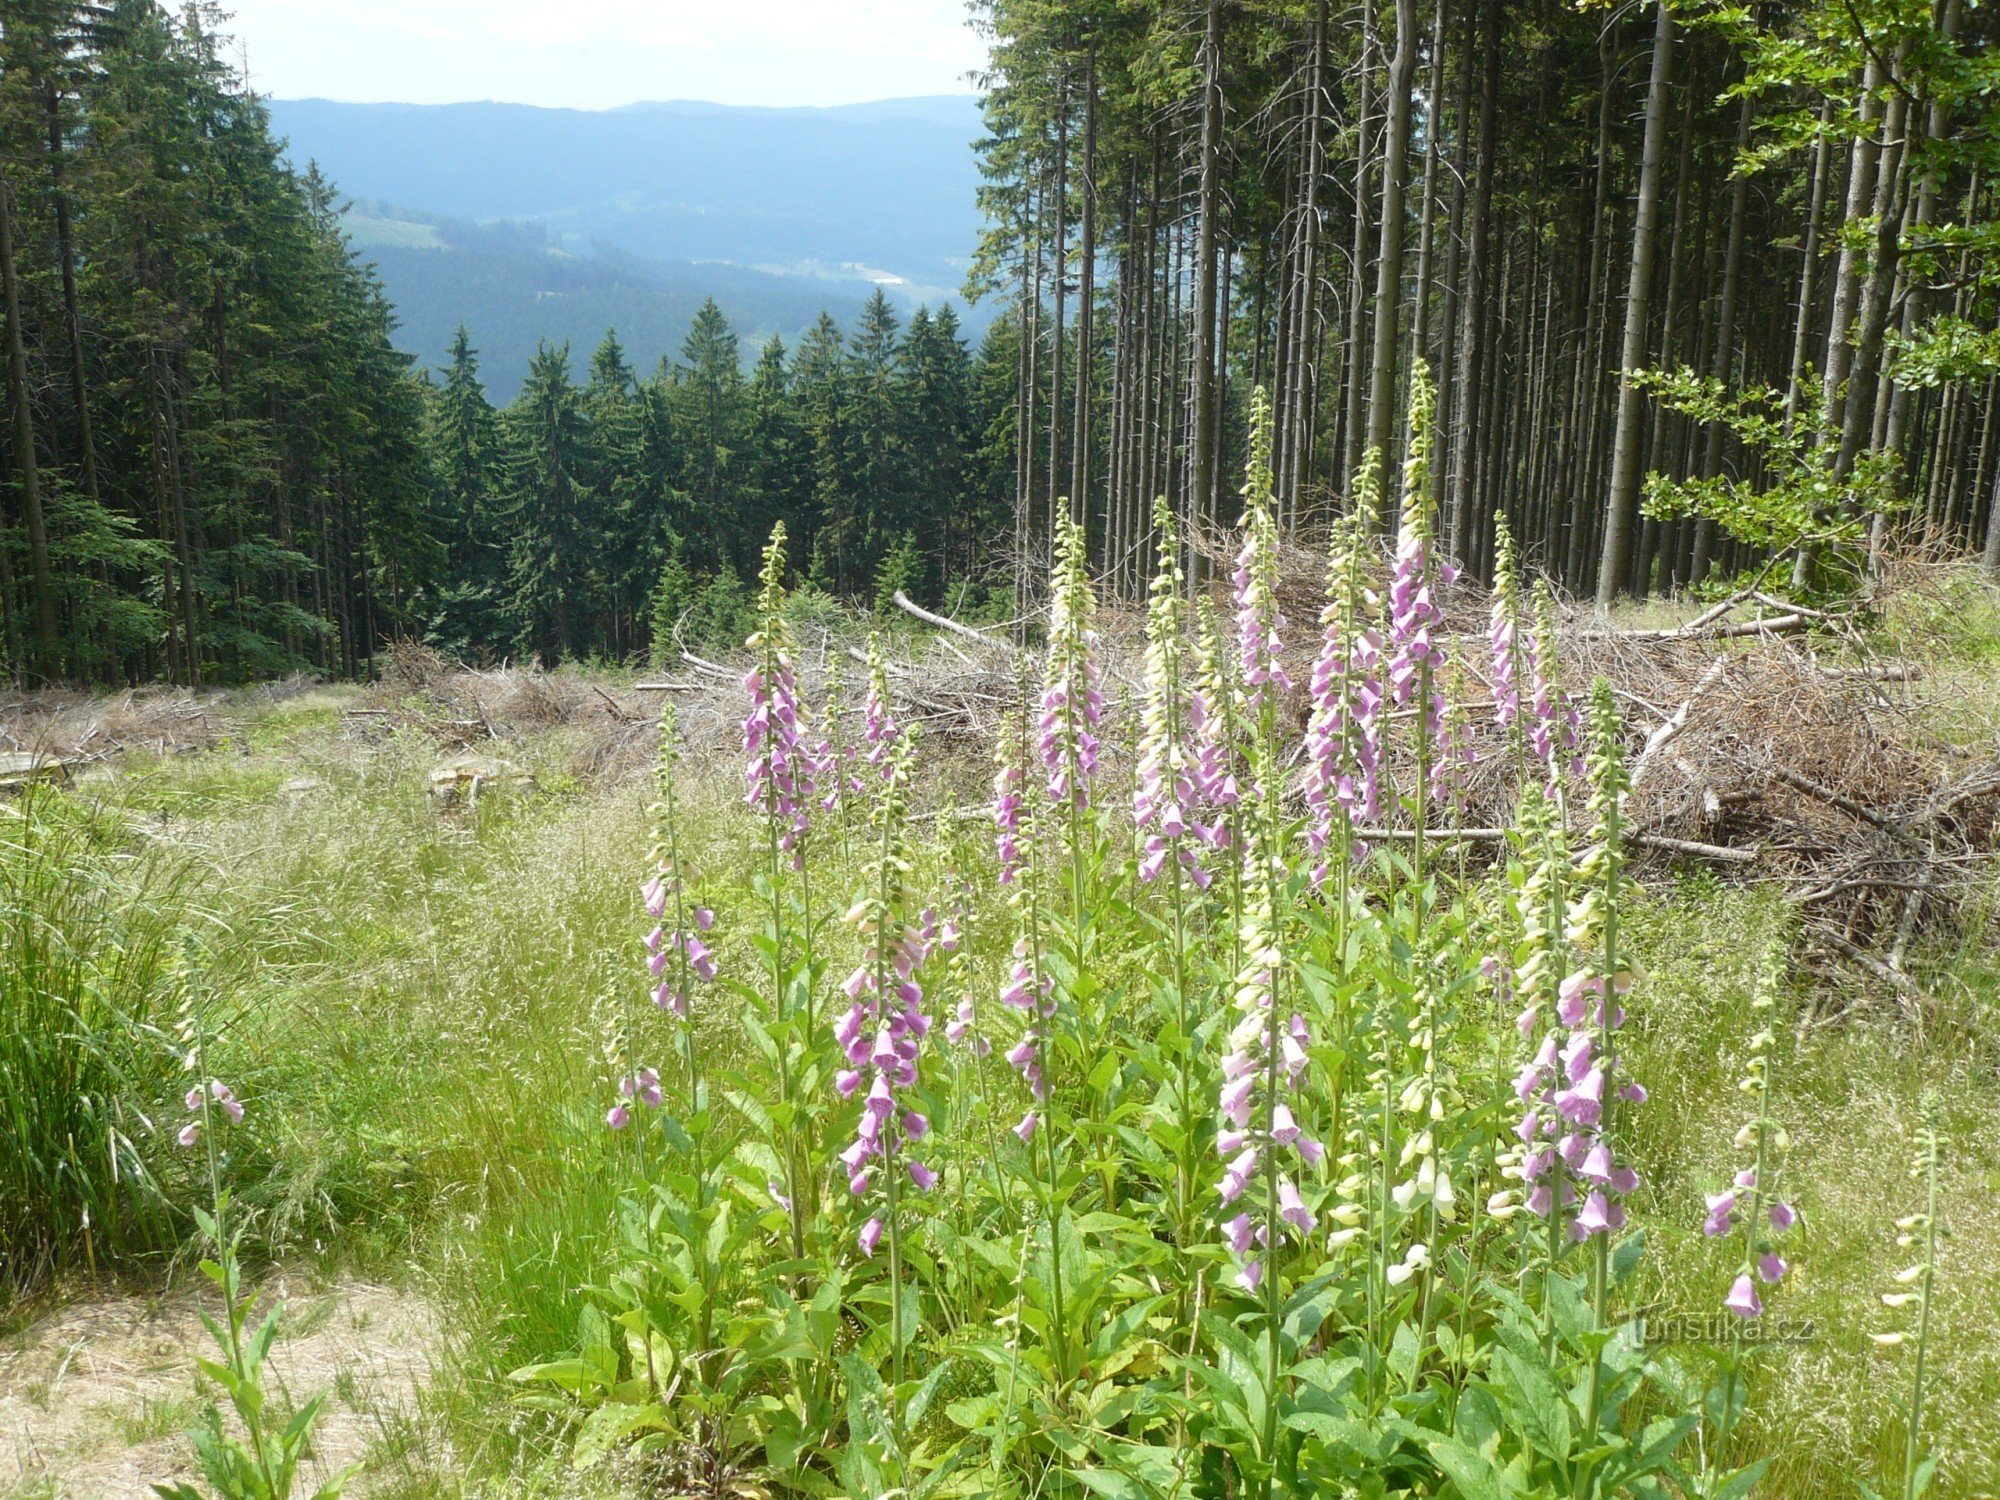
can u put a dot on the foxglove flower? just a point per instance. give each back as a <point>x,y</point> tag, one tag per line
<point>780,773</point>
<point>1503,635</point>
<point>217,1098</point>
<point>1750,1205</point>
<point>963,1030</point>
<point>1010,756</point>
<point>1590,1002</point>
<point>1072,701</point>
<point>1031,994</point>
<point>1914,1284</point>
<point>1165,796</point>
<point>1555,726</point>
<point>1258,1133</point>
<point>1260,624</point>
<point>1211,718</point>
<point>1415,655</point>
<point>1454,754</point>
<point>881,1034</point>
<point>1343,732</point>
<point>677,957</point>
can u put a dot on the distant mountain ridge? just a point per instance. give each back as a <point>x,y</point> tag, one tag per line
<point>822,201</point>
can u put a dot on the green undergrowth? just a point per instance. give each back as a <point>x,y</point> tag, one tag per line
<point>415,1002</point>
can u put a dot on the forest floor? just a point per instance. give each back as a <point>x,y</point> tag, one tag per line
<point>417,898</point>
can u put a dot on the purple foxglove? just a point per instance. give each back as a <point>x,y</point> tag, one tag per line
<point>1072,702</point>
<point>1743,1299</point>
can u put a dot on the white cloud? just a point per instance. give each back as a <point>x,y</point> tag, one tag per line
<point>592,54</point>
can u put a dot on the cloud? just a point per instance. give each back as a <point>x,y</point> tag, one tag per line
<point>599,53</point>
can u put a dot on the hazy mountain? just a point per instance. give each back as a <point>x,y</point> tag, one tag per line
<point>513,285</point>
<point>833,200</point>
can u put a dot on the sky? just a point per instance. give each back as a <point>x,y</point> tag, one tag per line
<point>594,54</point>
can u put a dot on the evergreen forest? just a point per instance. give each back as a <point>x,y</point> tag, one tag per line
<point>1703,288</point>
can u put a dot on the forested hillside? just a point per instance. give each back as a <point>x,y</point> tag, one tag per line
<point>601,509</point>
<point>218,468</point>
<point>889,187</point>
<point>512,283</point>
<point>1786,208</point>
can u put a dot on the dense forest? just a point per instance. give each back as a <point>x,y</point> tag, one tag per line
<point>217,467</point>
<point>1777,217</point>
<point>212,464</point>
<point>1702,287</point>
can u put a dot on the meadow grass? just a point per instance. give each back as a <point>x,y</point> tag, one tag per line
<point>88,968</point>
<point>415,1004</point>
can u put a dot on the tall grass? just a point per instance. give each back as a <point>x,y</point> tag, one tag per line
<point>87,980</point>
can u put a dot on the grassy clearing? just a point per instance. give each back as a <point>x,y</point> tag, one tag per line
<point>415,1003</point>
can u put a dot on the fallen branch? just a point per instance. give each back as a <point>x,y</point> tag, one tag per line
<point>1886,672</point>
<point>1674,724</point>
<point>1698,850</point>
<point>1842,887</point>
<point>1701,629</point>
<point>903,602</point>
<point>1798,783</point>
<point>1902,984</point>
<point>707,666</point>
<point>1497,835</point>
<point>613,706</point>
<point>669,687</point>
<point>1672,632</point>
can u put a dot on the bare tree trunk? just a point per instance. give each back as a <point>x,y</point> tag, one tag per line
<point>1057,328</point>
<point>1301,382</point>
<point>1809,269</point>
<point>1722,359</point>
<point>1465,414</point>
<point>1913,299</point>
<point>1086,291</point>
<point>1447,367</point>
<point>40,579</point>
<point>1383,407</point>
<point>1621,509</point>
<point>1427,214</point>
<point>1201,343</point>
<point>72,316</point>
<point>1352,369</point>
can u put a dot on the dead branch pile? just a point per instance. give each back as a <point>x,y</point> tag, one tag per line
<point>1767,739</point>
<point>71,728</point>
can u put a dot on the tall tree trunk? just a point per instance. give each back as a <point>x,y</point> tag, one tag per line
<point>1383,407</point>
<point>1447,370</point>
<point>1353,371</point>
<point>1057,330</point>
<point>1086,292</point>
<point>72,317</point>
<point>26,475</point>
<point>1913,299</point>
<point>1465,413</point>
<point>1201,343</point>
<point>1722,358</point>
<point>1420,309</point>
<point>1802,327</point>
<point>1621,509</point>
<point>1301,384</point>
